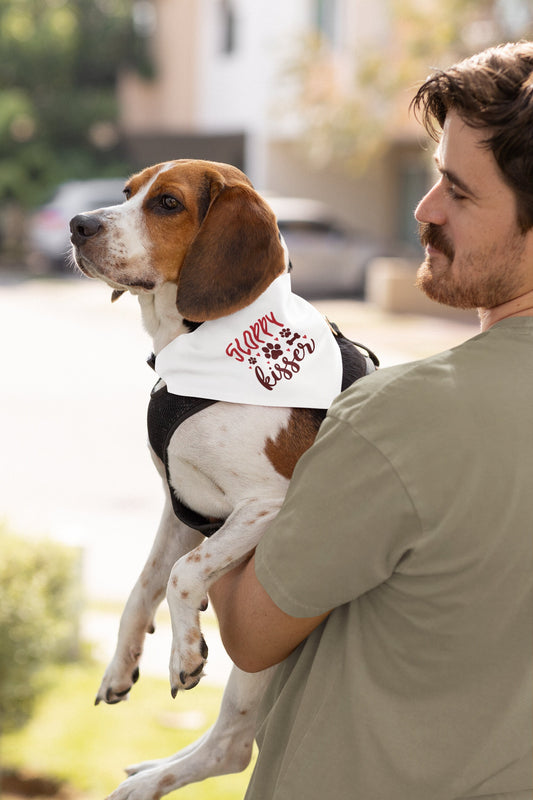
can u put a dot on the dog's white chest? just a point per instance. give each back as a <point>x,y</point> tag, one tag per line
<point>216,458</point>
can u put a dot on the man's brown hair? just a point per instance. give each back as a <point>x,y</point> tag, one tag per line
<point>492,90</point>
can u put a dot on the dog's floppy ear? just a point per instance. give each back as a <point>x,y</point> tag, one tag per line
<point>236,254</point>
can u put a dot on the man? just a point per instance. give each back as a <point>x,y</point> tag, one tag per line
<point>396,584</point>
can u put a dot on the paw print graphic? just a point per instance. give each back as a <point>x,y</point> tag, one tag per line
<point>272,351</point>
<point>252,360</point>
<point>285,333</point>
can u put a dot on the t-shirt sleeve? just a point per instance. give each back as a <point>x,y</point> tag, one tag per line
<point>346,522</point>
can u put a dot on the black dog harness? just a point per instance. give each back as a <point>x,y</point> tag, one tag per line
<point>167,411</point>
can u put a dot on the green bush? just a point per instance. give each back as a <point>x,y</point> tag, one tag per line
<point>39,618</point>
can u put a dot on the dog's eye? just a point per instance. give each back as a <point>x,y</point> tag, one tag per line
<point>170,203</point>
<point>127,193</point>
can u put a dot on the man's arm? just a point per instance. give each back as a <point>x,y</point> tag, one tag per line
<point>255,631</point>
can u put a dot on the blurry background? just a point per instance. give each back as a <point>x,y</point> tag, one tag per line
<point>310,98</point>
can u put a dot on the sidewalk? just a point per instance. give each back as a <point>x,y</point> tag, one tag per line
<point>73,393</point>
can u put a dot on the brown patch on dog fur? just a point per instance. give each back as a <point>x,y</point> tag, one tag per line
<point>221,245</point>
<point>171,234</point>
<point>235,256</point>
<point>164,785</point>
<point>284,451</point>
<point>193,636</point>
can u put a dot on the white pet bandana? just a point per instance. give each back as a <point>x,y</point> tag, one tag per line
<point>278,351</point>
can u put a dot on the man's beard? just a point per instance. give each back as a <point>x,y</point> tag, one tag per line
<point>482,279</point>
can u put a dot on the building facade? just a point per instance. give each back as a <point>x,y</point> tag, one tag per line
<point>225,86</point>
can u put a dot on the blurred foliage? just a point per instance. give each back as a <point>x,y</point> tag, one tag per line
<point>59,63</point>
<point>39,618</point>
<point>70,739</point>
<point>351,102</point>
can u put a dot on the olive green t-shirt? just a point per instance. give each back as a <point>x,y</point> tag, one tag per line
<point>412,517</point>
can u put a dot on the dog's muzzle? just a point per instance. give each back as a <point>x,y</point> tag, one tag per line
<point>84,227</point>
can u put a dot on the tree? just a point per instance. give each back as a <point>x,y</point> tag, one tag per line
<point>58,67</point>
<point>350,106</point>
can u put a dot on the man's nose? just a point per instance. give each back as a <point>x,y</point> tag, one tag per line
<point>430,208</point>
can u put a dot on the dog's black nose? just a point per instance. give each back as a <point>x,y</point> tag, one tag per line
<point>84,226</point>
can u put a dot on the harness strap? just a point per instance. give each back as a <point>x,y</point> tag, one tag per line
<point>166,412</point>
<point>371,356</point>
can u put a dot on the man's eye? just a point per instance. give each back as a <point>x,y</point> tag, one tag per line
<point>454,194</point>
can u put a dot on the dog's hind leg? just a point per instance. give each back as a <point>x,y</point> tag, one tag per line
<point>173,539</point>
<point>225,748</point>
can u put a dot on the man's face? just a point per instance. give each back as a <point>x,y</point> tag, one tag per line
<point>476,256</point>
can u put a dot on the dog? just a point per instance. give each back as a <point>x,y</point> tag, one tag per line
<point>199,246</point>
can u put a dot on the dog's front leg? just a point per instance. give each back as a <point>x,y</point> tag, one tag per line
<point>192,576</point>
<point>173,539</point>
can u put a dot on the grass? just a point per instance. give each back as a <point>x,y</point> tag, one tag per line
<point>87,746</point>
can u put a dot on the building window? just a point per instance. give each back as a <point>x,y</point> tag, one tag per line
<point>514,17</point>
<point>326,13</point>
<point>413,183</point>
<point>227,27</point>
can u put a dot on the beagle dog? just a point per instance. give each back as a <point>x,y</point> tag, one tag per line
<point>197,244</point>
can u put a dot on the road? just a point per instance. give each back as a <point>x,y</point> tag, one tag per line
<point>74,390</point>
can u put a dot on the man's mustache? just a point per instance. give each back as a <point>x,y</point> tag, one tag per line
<point>433,235</point>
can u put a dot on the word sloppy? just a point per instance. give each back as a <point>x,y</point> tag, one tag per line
<point>272,350</point>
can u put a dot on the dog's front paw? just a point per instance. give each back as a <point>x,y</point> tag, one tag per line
<point>187,597</point>
<point>117,683</point>
<point>187,661</point>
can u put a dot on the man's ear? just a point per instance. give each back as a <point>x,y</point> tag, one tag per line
<point>235,255</point>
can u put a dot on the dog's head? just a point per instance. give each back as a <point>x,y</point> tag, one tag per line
<point>199,224</point>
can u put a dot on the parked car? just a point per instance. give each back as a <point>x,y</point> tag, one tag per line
<point>327,257</point>
<point>49,234</point>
